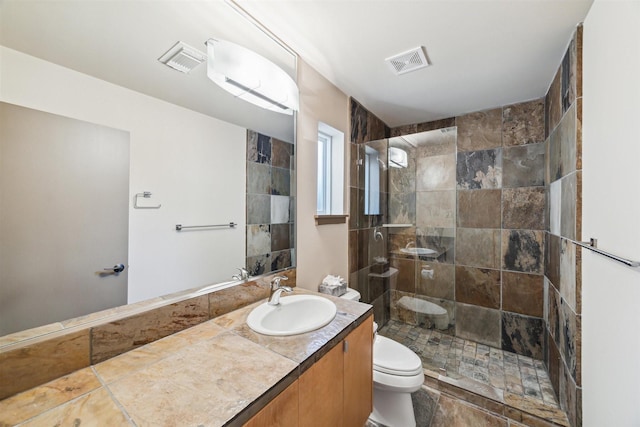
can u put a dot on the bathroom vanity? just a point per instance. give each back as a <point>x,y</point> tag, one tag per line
<point>219,372</point>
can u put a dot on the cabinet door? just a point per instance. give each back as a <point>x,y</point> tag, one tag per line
<point>281,411</point>
<point>321,391</point>
<point>358,374</point>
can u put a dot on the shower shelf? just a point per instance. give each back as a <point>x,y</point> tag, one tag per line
<point>397,225</point>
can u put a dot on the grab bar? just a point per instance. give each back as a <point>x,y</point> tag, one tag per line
<point>182,227</point>
<point>592,245</point>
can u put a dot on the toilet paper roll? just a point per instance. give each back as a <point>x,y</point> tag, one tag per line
<point>426,274</point>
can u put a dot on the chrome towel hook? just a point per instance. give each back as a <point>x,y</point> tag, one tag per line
<point>146,195</point>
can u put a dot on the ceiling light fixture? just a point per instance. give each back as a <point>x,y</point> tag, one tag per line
<point>251,77</point>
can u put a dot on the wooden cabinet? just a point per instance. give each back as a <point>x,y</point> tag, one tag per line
<point>358,375</point>
<point>321,391</point>
<point>281,411</point>
<point>336,391</point>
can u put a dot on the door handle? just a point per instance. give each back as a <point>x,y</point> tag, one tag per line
<point>115,269</point>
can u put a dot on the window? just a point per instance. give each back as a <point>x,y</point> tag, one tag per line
<point>324,174</point>
<point>330,171</point>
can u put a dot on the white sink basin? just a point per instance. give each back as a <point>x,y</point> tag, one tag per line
<point>418,251</point>
<point>295,314</point>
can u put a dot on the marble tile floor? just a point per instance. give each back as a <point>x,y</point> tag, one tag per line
<point>457,358</point>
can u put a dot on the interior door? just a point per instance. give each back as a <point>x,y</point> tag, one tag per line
<point>64,197</point>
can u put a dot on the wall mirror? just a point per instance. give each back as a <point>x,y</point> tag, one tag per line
<point>185,145</point>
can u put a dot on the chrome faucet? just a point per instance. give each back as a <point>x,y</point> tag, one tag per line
<point>244,274</point>
<point>277,289</point>
<point>411,244</point>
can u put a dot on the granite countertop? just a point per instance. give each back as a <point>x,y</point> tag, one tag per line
<point>217,373</point>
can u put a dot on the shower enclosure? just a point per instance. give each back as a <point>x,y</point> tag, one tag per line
<point>438,258</point>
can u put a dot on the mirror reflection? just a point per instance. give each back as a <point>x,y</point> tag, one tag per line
<point>182,152</point>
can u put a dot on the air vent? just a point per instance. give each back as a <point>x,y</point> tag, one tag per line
<point>182,57</point>
<point>410,60</point>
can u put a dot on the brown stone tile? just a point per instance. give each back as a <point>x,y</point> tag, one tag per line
<point>522,293</point>
<point>436,173</point>
<point>578,184</point>
<point>377,128</point>
<point>435,142</point>
<point>523,166</point>
<point>578,280</point>
<point>553,366</point>
<point>523,250</point>
<point>462,391</point>
<point>353,165</point>
<point>523,123</point>
<point>456,412</point>
<point>353,251</point>
<point>404,130</point>
<point>478,324</point>
<point>280,237</point>
<point>33,364</point>
<point>95,408</point>
<point>363,248</point>
<point>530,407</point>
<point>552,259</point>
<point>480,130</point>
<point>479,169</point>
<point>568,204</point>
<point>29,333</point>
<point>406,278</point>
<point>35,401</point>
<point>478,247</point>
<point>400,313</point>
<point>227,300</point>
<point>181,384</point>
<point>569,333</point>
<point>436,124</point>
<point>440,284</point>
<point>579,43</point>
<point>568,395</point>
<point>479,208</point>
<point>553,102</point>
<point>567,287</point>
<point>478,286</point>
<point>579,134</point>
<point>359,122</point>
<point>436,209</point>
<point>522,334</point>
<point>281,153</point>
<point>554,314</point>
<point>523,208</point>
<point>117,337</point>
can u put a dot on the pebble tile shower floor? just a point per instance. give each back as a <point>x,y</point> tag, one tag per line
<point>456,358</point>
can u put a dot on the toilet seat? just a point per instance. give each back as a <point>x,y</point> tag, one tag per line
<point>393,358</point>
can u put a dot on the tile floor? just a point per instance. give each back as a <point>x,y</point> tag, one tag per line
<point>456,358</point>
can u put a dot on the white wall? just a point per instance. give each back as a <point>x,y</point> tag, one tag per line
<point>611,213</point>
<point>193,164</point>
<point>323,249</point>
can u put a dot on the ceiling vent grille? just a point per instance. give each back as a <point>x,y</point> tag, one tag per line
<point>182,57</point>
<point>408,61</point>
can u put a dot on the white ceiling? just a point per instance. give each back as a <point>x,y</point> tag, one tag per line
<point>484,53</point>
<point>121,41</point>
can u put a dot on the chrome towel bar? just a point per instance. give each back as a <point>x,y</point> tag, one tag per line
<point>592,245</point>
<point>182,227</point>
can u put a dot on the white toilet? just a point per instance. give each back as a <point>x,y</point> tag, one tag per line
<point>397,372</point>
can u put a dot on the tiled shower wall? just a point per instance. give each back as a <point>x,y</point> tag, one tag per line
<point>270,204</point>
<point>494,281</point>
<point>363,248</point>
<point>563,281</point>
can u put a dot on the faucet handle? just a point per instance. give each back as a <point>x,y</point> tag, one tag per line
<point>275,282</point>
